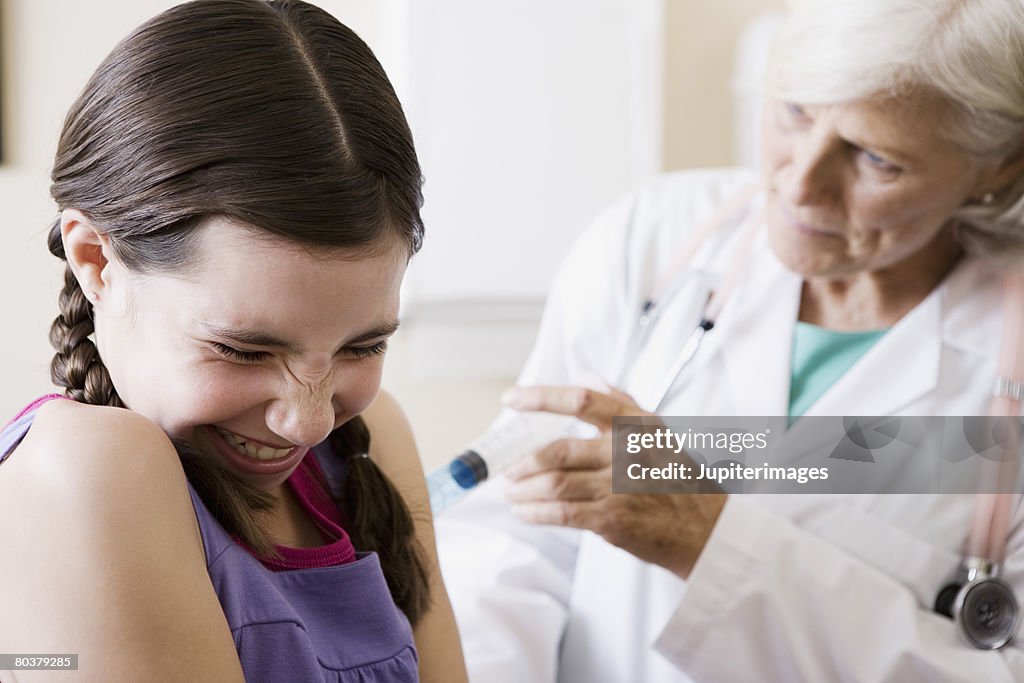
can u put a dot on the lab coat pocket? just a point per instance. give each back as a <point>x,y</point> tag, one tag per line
<point>923,562</point>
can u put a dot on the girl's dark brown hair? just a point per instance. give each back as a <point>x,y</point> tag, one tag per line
<point>273,114</point>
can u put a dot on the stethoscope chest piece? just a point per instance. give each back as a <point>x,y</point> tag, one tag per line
<point>987,612</point>
<point>983,606</point>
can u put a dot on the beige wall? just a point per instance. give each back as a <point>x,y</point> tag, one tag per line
<point>49,49</point>
<point>700,40</point>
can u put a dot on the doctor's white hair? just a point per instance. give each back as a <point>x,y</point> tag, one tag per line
<point>969,51</point>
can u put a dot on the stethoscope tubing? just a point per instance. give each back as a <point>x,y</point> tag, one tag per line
<point>990,524</point>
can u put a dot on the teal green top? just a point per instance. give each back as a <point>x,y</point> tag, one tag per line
<point>820,357</point>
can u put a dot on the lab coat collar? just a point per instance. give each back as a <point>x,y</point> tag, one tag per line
<point>907,361</point>
<point>757,333</point>
<point>904,364</point>
<point>973,297</point>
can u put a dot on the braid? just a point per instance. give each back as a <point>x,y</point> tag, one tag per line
<point>380,521</point>
<point>77,365</point>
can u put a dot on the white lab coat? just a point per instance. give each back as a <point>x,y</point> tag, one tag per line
<point>789,587</point>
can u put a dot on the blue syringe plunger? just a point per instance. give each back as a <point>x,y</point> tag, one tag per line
<point>468,470</point>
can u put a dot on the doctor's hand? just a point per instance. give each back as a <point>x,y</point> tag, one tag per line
<point>569,483</point>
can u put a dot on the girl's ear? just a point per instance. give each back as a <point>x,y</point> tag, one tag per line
<point>88,253</point>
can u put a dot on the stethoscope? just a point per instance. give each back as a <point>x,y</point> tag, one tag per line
<point>983,605</point>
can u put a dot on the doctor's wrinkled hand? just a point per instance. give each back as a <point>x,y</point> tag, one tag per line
<point>569,483</point>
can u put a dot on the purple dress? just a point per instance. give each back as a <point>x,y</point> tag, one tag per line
<point>335,624</point>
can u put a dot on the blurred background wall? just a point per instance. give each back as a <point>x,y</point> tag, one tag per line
<point>529,117</point>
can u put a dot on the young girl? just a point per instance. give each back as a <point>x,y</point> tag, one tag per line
<point>226,493</point>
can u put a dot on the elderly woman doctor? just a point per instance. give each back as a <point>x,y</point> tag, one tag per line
<point>892,203</point>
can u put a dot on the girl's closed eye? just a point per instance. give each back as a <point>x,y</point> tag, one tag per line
<point>241,356</point>
<point>237,354</point>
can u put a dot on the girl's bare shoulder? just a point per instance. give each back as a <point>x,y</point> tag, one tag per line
<point>101,470</point>
<point>104,550</point>
<point>77,447</point>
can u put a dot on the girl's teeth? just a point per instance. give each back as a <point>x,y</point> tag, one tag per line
<point>253,450</point>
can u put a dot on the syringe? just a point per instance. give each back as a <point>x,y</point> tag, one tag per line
<point>492,452</point>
